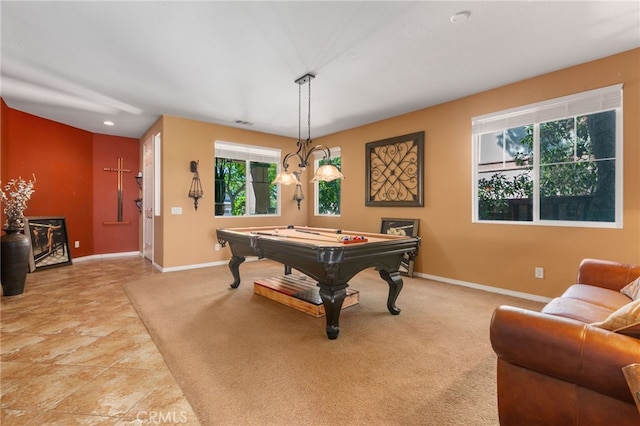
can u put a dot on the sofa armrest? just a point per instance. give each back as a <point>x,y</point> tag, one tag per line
<point>606,274</point>
<point>565,349</point>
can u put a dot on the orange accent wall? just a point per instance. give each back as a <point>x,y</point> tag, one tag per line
<point>110,237</point>
<point>4,126</point>
<point>62,159</point>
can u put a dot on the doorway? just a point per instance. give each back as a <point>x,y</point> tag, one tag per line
<point>148,192</point>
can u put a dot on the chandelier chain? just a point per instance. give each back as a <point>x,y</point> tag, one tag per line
<point>324,173</point>
<point>299,111</point>
<point>309,114</point>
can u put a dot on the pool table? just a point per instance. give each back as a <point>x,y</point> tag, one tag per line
<point>329,256</point>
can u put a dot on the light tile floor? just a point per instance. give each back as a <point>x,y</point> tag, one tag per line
<point>73,351</point>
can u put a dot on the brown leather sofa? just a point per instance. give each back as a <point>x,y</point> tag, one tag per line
<point>555,367</point>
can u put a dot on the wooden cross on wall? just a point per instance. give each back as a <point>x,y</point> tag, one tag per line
<point>119,170</point>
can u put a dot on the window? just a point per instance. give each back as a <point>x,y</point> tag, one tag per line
<point>327,201</point>
<point>243,176</point>
<point>556,162</point>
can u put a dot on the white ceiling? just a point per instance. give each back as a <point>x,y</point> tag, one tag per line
<point>81,63</point>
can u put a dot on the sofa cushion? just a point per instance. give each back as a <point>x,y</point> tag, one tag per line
<point>609,299</point>
<point>577,309</point>
<point>632,289</point>
<point>625,320</point>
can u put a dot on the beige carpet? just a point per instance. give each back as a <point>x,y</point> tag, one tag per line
<point>242,359</point>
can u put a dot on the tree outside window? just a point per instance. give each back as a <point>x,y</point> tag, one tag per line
<point>576,169</point>
<point>243,176</point>
<point>558,170</point>
<point>328,193</point>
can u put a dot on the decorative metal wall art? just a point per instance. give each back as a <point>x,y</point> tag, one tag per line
<point>394,171</point>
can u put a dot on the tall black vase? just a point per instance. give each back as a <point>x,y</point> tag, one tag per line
<point>14,254</point>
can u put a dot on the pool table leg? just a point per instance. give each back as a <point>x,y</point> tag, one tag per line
<point>234,266</point>
<point>332,300</point>
<point>395,285</point>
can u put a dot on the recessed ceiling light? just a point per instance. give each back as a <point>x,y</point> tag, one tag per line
<point>460,17</point>
<point>108,123</point>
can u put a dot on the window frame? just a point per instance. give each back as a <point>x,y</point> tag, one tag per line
<point>317,157</point>
<point>248,154</point>
<point>589,102</point>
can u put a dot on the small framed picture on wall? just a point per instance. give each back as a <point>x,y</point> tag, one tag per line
<point>49,244</point>
<point>408,227</point>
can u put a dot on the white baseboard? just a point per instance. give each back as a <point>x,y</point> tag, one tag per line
<point>192,266</point>
<point>490,289</point>
<point>155,265</point>
<point>476,286</point>
<point>198,265</point>
<point>106,256</point>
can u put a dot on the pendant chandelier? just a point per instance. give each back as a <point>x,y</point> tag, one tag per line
<point>324,173</point>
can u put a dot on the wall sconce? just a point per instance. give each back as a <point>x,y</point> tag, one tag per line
<point>195,190</point>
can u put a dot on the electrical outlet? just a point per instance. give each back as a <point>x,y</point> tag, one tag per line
<point>217,247</point>
<point>77,244</point>
<point>539,272</point>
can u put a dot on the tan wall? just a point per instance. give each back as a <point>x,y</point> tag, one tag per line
<point>189,239</point>
<point>496,255</point>
<point>453,247</point>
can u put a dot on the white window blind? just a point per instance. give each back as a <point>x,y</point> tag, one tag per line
<point>238,151</point>
<point>319,155</point>
<point>603,99</point>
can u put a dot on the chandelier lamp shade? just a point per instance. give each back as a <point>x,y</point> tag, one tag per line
<point>324,173</point>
